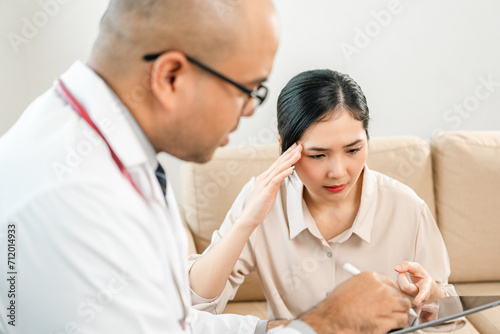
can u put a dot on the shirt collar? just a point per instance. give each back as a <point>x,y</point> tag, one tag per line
<point>363,222</point>
<point>295,206</point>
<point>110,115</point>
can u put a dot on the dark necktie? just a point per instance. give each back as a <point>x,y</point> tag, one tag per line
<point>162,179</point>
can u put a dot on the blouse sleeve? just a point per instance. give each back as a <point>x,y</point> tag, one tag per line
<point>244,265</point>
<point>431,251</point>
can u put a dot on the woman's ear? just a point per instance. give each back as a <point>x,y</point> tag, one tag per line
<point>279,139</point>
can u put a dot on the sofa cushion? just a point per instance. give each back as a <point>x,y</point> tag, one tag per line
<point>406,159</point>
<point>478,289</point>
<point>258,309</point>
<point>467,188</point>
<point>487,321</point>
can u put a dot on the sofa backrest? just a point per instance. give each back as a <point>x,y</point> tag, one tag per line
<point>406,159</point>
<point>467,187</point>
<point>208,190</point>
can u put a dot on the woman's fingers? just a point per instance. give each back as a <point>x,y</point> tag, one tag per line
<point>285,161</point>
<point>405,285</point>
<point>267,186</point>
<point>423,294</point>
<point>422,286</point>
<point>413,268</point>
<point>276,181</point>
<point>278,161</point>
<point>283,157</point>
<point>416,274</point>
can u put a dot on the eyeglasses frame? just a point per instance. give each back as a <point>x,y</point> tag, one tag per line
<point>249,92</point>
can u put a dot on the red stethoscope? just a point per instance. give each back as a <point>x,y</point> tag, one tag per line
<point>80,110</point>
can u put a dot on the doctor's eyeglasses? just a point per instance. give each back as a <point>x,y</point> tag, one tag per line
<point>256,96</point>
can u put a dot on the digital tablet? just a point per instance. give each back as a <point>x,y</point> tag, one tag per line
<point>441,311</point>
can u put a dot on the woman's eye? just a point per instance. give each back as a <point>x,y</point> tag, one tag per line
<point>319,156</point>
<point>354,150</point>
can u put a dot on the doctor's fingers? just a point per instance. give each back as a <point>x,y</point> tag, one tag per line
<point>392,321</point>
<point>386,280</point>
<point>392,290</point>
<point>400,303</point>
<point>401,300</point>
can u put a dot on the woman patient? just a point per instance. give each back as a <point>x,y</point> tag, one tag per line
<point>297,226</point>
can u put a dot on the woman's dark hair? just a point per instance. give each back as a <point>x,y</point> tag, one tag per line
<point>311,97</point>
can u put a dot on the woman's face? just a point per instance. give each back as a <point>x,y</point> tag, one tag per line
<point>334,154</point>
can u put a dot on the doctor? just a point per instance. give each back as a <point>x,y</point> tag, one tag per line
<point>92,239</point>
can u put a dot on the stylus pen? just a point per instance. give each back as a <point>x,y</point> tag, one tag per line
<point>354,271</point>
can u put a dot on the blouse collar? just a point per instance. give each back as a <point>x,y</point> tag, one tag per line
<point>300,219</point>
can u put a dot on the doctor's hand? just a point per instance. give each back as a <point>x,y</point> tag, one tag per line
<point>267,185</point>
<point>422,287</point>
<point>365,303</point>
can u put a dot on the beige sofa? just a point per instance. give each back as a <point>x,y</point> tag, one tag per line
<point>457,174</point>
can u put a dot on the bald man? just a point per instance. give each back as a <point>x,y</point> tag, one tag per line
<point>93,241</point>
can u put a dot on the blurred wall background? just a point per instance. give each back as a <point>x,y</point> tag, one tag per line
<point>425,66</point>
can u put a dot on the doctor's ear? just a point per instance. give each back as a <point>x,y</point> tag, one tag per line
<point>168,75</point>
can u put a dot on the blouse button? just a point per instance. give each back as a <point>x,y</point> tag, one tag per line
<point>329,254</point>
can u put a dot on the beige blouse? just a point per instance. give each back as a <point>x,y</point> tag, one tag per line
<point>298,267</point>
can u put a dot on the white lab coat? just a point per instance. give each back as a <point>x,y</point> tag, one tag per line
<point>91,255</point>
